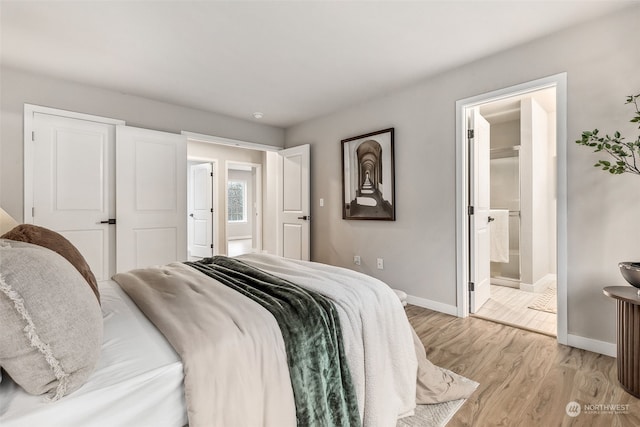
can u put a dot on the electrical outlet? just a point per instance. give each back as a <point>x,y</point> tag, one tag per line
<point>380,264</point>
<point>356,260</point>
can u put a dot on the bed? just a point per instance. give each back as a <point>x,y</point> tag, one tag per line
<point>221,358</point>
<point>136,364</point>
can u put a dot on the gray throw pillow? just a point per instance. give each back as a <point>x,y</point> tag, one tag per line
<point>51,322</point>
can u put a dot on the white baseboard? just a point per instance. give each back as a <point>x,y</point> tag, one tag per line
<point>541,285</point>
<point>240,237</point>
<point>433,305</point>
<point>601,347</point>
<point>596,346</point>
<point>505,281</point>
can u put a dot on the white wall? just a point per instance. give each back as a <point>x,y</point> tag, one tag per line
<point>552,182</point>
<point>505,134</point>
<point>270,182</point>
<point>534,154</point>
<point>18,87</point>
<point>602,62</point>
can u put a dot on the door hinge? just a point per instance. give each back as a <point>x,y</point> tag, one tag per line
<point>33,136</point>
<point>470,133</point>
<point>469,210</point>
<point>211,210</point>
<point>472,286</point>
<point>210,173</point>
<point>212,246</point>
<point>33,212</point>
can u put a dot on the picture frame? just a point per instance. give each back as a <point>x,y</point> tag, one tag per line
<point>368,176</point>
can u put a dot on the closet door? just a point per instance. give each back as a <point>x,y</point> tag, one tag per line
<point>69,181</point>
<point>151,205</point>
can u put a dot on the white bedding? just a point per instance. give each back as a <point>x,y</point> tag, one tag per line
<point>139,377</point>
<point>377,335</point>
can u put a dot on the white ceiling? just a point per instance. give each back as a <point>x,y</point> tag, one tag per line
<point>290,60</point>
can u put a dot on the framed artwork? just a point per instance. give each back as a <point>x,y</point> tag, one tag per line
<point>368,181</point>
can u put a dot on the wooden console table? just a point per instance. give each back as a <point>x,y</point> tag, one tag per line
<point>628,336</point>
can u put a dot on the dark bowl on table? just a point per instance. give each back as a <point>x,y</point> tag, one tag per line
<point>631,272</point>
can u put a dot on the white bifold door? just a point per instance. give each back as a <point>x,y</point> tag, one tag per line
<point>151,190</point>
<point>72,188</point>
<point>117,193</point>
<point>294,203</point>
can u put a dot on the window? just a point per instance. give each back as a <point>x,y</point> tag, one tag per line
<point>237,201</point>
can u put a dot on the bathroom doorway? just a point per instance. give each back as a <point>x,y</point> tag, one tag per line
<point>512,216</point>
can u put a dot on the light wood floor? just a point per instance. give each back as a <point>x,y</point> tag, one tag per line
<point>526,379</point>
<point>510,306</point>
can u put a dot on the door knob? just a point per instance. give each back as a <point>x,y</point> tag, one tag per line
<point>305,217</point>
<point>191,215</point>
<point>109,221</point>
<point>490,219</point>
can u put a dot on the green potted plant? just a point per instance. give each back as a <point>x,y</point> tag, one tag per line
<point>626,158</point>
<point>626,154</point>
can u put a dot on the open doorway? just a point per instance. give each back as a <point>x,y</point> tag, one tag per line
<point>244,208</point>
<point>521,221</point>
<point>512,168</point>
<point>279,206</point>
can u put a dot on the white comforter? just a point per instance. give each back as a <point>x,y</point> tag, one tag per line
<point>234,359</point>
<point>377,335</point>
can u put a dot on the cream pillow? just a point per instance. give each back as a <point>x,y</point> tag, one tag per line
<point>51,331</point>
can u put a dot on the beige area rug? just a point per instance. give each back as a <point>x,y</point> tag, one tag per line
<point>547,302</point>
<point>435,415</point>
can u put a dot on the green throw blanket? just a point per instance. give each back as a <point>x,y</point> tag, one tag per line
<point>322,387</point>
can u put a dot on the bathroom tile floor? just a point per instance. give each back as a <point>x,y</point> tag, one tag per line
<point>239,247</point>
<point>510,306</point>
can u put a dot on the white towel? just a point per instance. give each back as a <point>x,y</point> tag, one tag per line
<point>499,229</point>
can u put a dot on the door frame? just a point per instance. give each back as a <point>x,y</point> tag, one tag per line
<point>559,81</point>
<point>214,200</point>
<point>200,137</point>
<point>270,189</point>
<point>28,153</point>
<point>257,195</point>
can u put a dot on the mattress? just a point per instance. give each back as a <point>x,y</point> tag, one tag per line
<point>138,377</point>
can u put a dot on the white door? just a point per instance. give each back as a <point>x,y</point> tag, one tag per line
<point>73,185</point>
<point>294,203</point>
<point>151,183</point>
<point>480,244</point>
<point>201,210</point>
